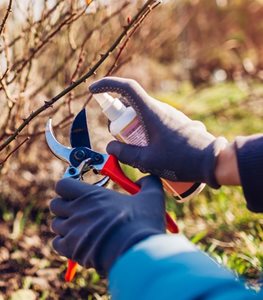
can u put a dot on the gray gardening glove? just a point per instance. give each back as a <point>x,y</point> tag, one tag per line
<point>179,148</point>
<point>95,225</point>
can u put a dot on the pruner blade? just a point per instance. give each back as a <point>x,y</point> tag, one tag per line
<point>79,133</point>
<point>58,149</point>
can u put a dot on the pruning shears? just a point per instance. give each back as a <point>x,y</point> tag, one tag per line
<point>81,159</point>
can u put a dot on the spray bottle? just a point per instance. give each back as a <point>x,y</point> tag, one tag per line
<point>126,127</point>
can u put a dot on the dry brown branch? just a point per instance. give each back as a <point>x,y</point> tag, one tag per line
<point>34,51</point>
<point>73,77</point>
<point>127,39</point>
<point>148,6</point>
<point>7,121</point>
<point>72,52</point>
<point>8,11</point>
<point>29,28</point>
<point>124,45</point>
<point>61,124</point>
<point>13,151</point>
<point>46,16</point>
<point>3,76</point>
<point>6,57</point>
<point>5,88</point>
<point>7,93</point>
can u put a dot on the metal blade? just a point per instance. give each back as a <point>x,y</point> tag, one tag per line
<point>58,149</point>
<point>79,133</point>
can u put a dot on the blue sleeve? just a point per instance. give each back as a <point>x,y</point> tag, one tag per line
<point>170,267</point>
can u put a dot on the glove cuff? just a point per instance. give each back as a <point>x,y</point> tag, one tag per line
<point>212,152</point>
<point>250,161</point>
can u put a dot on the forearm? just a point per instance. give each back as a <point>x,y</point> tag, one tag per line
<point>226,171</point>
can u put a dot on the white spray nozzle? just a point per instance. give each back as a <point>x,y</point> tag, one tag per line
<point>104,99</point>
<point>111,107</point>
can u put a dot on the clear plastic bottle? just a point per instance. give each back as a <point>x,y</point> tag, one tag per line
<point>125,126</point>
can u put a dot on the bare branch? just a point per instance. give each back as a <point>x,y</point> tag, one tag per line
<point>74,75</point>
<point>3,76</point>
<point>29,28</point>
<point>13,151</point>
<point>127,39</point>
<point>124,45</point>
<point>33,53</point>
<point>146,7</point>
<point>8,11</point>
<point>72,52</point>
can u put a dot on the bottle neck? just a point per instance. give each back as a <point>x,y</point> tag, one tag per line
<point>113,108</point>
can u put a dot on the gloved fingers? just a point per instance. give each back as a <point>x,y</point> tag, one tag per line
<point>62,246</point>
<point>199,124</point>
<point>59,208</point>
<point>127,154</point>
<point>58,226</point>
<point>153,194</point>
<point>146,181</point>
<point>200,128</point>
<point>151,184</point>
<point>70,189</point>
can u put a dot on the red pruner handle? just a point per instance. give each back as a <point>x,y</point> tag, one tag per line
<point>113,170</point>
<point>170,224</point>
<point>71,270</point>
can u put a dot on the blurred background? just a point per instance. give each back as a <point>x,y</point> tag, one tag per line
<point>203,57</point>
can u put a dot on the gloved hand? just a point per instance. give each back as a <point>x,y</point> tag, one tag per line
<point>179,148</point>
<point>95,225</point>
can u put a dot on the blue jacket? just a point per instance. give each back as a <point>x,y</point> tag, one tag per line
<point>170,267</point>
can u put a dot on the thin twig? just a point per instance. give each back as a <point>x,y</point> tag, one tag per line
<point>21,64</point>
<point>5,88</point>
<point>61,124</point>
<point>47,15</point>
<point>13,151</point>
<point>33,53</point>
<point>29,28</point>
<point>8,11</point>
<point>92,71</point>
<point>131,33</point>
<point>124,45</point>
<point>72,52</point>
<point>66,120</point>
<point>7,120</point>
<point>74,75</point>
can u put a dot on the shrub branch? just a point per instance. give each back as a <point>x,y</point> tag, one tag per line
<point>148,6</point>
<point>8,11</point>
